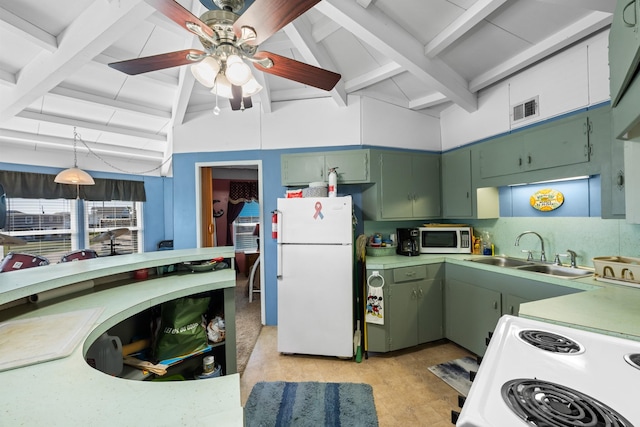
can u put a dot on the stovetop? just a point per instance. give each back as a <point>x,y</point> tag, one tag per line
<point>540,374</point>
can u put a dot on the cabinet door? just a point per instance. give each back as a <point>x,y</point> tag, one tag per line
<point>402,315</point>
<point>353,166</point>
<point>429,310</point>
<point>502,157</point>
<point>396,197</point>
<point>624,47</point>
<point>456,184</point>
<point>425,181</point>
<point>560,143</point>
<point>471,313</point>
<point>511,304</point>
<point>302,169</point>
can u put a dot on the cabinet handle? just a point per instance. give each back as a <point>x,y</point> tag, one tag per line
<point>511,310</point>
<point>414,294</point>
<point>519,161</point>
<point>495,305</point>
<point>420,293</point>
<point>529,159</point>
<point>620,180</point>
<point>410,274</point>
<point>624,11</point>
<point>467,194</point>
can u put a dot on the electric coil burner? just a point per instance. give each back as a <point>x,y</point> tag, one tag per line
<point>538,374</point>
<point>633,360</point>
<point>542,403</point>
<point>549,341</point>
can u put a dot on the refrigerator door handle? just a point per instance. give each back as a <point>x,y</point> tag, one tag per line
<point>279,244</point>
<point>278,226</point>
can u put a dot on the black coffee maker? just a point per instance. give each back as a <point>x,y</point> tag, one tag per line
<point>408,241</point>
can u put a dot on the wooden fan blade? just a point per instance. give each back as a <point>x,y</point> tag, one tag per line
<point>178,14</point>
<point>236,101</point>
<point>298,71</point>
<point>266,17</point>
<point>155,62</point>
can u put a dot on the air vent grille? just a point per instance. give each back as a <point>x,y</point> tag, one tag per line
<point>525,109</point>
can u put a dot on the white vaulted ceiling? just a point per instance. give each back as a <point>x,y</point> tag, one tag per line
<point>422,55</point>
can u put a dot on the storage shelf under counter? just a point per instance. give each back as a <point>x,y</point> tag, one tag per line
<point>68,391</point>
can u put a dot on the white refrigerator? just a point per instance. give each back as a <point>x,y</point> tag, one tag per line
<point>315,276</point>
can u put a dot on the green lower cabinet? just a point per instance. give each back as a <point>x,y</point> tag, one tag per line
<point>511,304</point>
<point>412,299</point>
<point>471,312</point>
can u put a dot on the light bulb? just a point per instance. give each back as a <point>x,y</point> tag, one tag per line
<point>251,87</point>
<point>237,71</point>
<point>222,87</point>
<point>206,71</point>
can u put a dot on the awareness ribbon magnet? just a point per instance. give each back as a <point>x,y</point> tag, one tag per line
<point>318,211</point>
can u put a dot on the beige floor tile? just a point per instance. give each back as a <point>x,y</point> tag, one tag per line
<point>404,390</point>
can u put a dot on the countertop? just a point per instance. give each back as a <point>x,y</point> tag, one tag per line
<point>602,307</point>
<point>68,391</point>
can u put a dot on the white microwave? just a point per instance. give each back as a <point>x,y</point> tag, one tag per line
<point>445,240</point>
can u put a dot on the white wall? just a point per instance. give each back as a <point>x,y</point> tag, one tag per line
<point>310,123</point>
<point>572,80</point>
<point>387,125</point>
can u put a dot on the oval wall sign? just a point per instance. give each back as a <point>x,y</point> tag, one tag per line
<point>546,200</point>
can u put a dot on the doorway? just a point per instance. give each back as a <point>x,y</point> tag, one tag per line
<point>207,213</point>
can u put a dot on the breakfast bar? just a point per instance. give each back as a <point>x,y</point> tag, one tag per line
<point>63,389</point>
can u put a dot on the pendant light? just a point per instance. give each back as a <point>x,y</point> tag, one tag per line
<point>74,175</point>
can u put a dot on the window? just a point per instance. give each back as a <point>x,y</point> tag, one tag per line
<point>48,226</point>
<point>114,227</point>
<point>245,225</point>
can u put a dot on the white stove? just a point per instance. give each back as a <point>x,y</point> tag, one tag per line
<point>540,374</point>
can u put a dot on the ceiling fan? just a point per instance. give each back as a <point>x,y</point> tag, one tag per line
<point>228,40</point>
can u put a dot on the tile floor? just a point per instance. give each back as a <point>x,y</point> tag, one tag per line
<point>405,391</point>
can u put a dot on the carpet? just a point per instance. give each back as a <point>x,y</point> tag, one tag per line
<point>310,404</point>
<point>248,324</point>
<point>456,373</point>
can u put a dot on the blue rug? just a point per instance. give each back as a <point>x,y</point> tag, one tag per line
<point>456,373</point>
<point>314,404</point>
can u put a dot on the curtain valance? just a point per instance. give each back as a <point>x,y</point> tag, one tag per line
<point>243,191</point>
<point>29,185</point>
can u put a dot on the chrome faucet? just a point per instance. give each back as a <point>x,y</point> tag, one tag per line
<point>543,257</point>
<point>573,257</point>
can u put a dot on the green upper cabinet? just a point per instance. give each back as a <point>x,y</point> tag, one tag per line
<point>456,184</point>
<point>563,142</point>
<point>302,169</point>
<point>406,186</point>
<point>624,47</point>
<point>352,166</point>
<point>624,62</point>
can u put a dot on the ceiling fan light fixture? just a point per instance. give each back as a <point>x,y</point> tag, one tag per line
<point>251,87</point>
<point>206,71</point>
<point>222,87</point>
<point>237,71</point>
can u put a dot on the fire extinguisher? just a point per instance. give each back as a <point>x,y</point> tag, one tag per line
<point>333,182</point>
<point>274,224</point>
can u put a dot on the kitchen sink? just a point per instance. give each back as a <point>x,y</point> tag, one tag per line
<point>556,270</point>
<point>501,261</point>
<point>533,266</point>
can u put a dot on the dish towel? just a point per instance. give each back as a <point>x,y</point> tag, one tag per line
<point>375,305</point>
